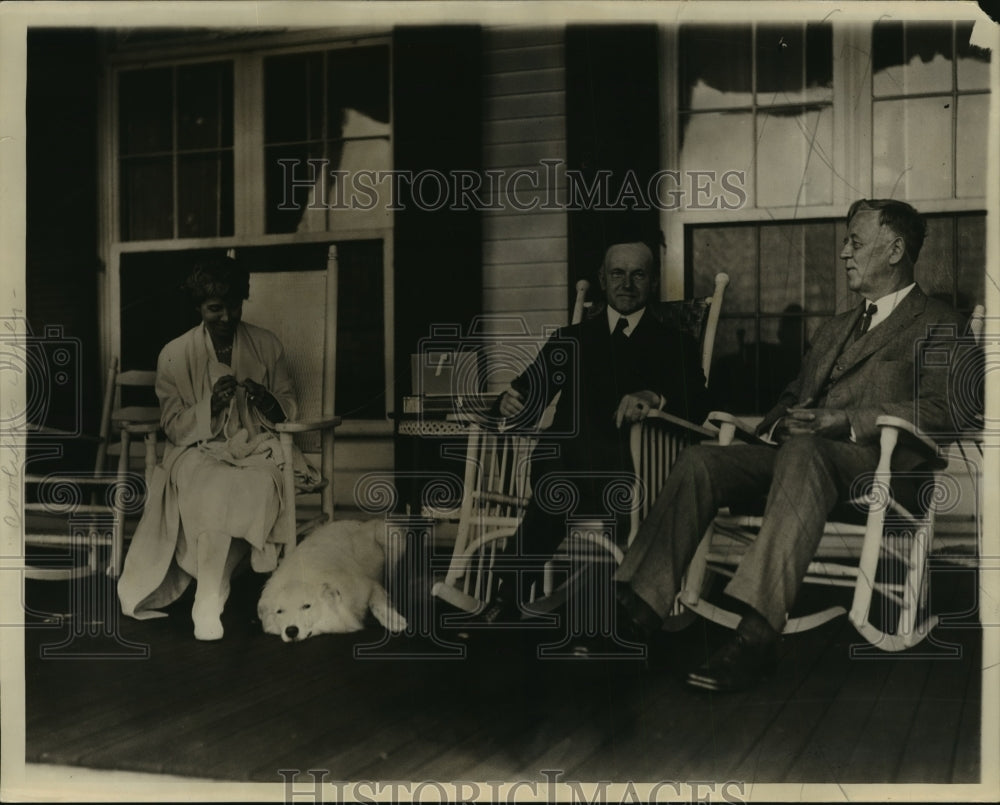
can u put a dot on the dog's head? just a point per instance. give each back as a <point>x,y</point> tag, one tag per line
<point>297,612</point>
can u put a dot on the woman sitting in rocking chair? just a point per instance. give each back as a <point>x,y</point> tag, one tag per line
<point>222,387</point>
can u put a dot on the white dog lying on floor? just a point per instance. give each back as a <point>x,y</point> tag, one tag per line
<point>328,583</point>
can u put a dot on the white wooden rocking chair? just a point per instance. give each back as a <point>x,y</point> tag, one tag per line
<point>497,487</point>
<point>884,554</point>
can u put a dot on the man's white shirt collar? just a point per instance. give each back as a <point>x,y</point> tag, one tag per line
<point>887,304</point>
<point>632,318</point>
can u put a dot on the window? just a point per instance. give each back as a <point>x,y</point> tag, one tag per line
<point>198,149</point>
<point>789,284</point>
<point>931,88</point>
<point>760,99</point>
<point>766,98</point>
<point>785,289</point>
<point>175,151</point>
<point>330,107</point>
<point>154,311</point>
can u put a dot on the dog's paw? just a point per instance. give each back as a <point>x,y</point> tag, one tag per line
<point>395,622</point>
<point>388,617</point>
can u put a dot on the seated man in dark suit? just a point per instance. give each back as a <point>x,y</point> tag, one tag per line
<point>861,366</point>
<point>626,362</point>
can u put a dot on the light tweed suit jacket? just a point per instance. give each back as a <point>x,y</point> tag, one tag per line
<point>883,372</point>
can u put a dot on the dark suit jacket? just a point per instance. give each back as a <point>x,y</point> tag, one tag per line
<point>580,363</point>
<point>881,373</point>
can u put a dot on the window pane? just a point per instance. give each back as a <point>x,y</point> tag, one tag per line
<point>973,63</point>
<point>935,267</point>
<point>912,148</point>
<point>716,66</point>
<point>819,60</point>
<point>971,260</point>
<point>779,353</point>
<point>358,92</point>
<point>795,157</point>
<point>145,111</point>
<point>797,267</point>
<point>780,62</point>
<point>822,263</point>
<point>293,98</point>
<point>731,249</point>
<point>912,58</point>
<point>351,194</point>
<point>781,267</point>
<point>733,384</point>
<point>973,131</point>
<point>719,141</point>
<point>928,57</point>
<point>147,199</point>
<point>294,185</point>
<point>204,190</point>
<point>794,64</point>
<point>205,105</point>
<point>887,58</point>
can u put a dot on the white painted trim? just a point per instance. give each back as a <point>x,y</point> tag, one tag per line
<point>389,322</point>
<point>248,144</point>
<point>672,261</point>
<point>273,42</point>
<point>235,242</point>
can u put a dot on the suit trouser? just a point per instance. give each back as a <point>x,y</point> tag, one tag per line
<point>803,480</point>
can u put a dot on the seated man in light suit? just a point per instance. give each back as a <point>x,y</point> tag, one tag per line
<point>861,365</point>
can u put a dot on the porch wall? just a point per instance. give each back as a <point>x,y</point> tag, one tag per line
<point>524,121</point>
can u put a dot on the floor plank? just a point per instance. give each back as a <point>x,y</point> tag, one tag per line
<point>880,757</point>
<point>939,712</point>
<point>966,766</point>
<point>792,727</point>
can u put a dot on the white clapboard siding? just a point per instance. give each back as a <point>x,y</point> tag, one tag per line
<point>526,275</point>
<point>524,122</point>
<point>354,457</point>
<point>547,128</point>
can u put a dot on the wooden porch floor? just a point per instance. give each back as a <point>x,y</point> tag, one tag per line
<point>251,705</point>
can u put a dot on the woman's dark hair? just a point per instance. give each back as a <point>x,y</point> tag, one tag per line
<point>219,278</point>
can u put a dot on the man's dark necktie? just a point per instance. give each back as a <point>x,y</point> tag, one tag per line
<point>618,336</point>
<point>866,320</point>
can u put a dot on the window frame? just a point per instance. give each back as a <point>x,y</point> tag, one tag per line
<point>247,54</point>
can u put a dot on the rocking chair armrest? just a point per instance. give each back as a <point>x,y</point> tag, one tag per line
<point>730,427</point>
<point>305,425</point>
<point>683,424</point>
<point>916,440</point>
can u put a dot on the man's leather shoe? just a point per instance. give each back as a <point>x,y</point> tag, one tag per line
<point>500,610</point>
<point>742,660</point>
<point>637,620</point>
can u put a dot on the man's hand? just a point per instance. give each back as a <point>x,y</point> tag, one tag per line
<point>829,422</point>
<point>636,406</point>
<point>511,403</point>
<point>222,393</point>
